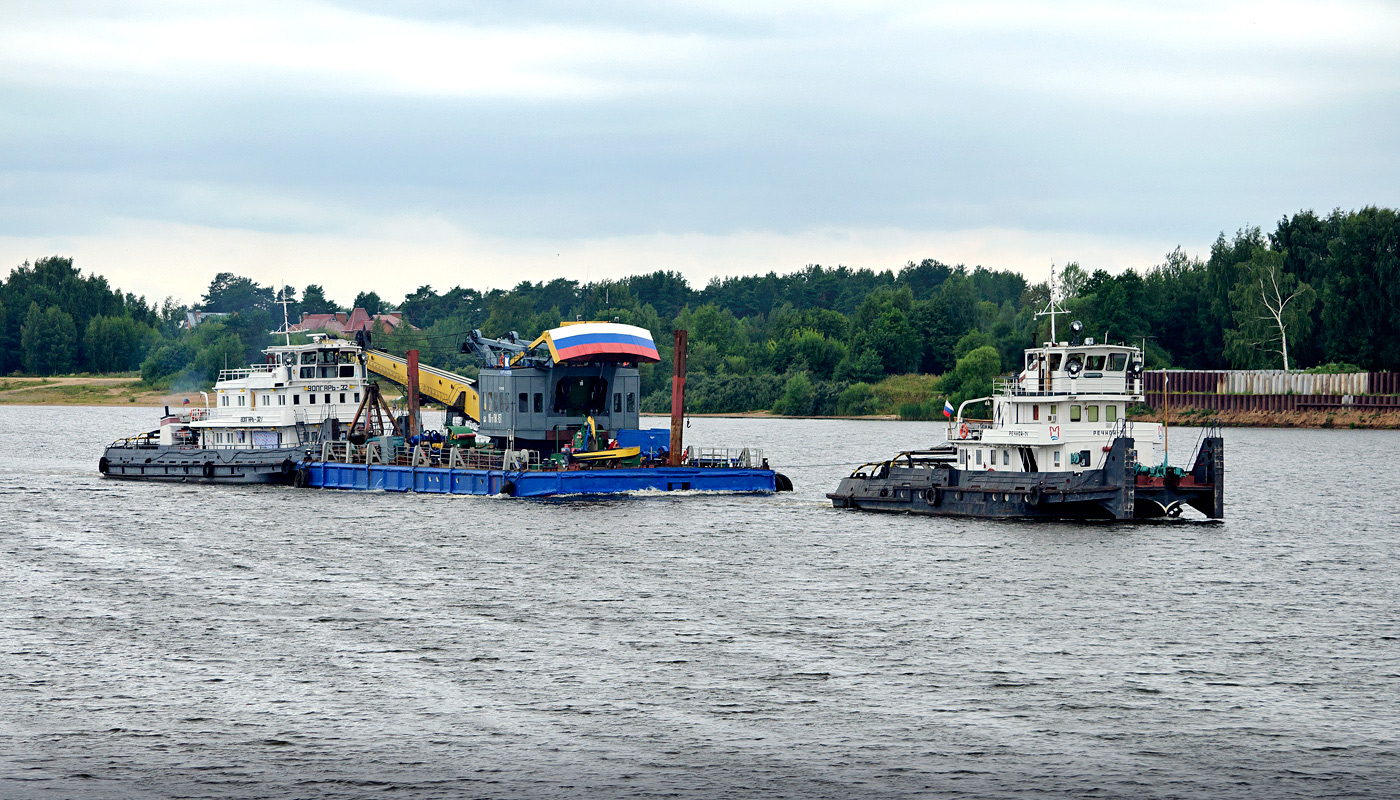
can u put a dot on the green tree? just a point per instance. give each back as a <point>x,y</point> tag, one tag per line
<point>115,344</point>
<point>49,340</point>
<point>1269,306</point>
<point>857,400</point>
<point>313,301</point>
<point>798,396</point>
<point>231,294</point>
<point>973,375</point>
<point>369,301</point>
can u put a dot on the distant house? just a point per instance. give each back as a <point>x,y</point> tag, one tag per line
<point>193,318</point>
<point>357,320</point>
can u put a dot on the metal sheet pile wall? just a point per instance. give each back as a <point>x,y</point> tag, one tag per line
<point>1272,390</point>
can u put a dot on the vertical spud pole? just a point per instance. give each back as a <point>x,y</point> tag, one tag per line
<point>412,393</point>
<point>678,399</point>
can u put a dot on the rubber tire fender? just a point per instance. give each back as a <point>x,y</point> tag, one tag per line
<point>933,495</point>
<point>301,478</point>
<point>781,482</point>
<point>287,467</point>
<point>208,469</point>
<point>103,465</point>
<point>1036,496</point>
<point>508,488</point>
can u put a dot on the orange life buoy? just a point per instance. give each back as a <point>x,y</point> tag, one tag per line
<point>962,432</point>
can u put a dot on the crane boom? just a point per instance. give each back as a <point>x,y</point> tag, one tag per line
<point>448,389</point>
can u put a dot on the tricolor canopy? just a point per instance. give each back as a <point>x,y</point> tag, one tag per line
<point>600,341</point>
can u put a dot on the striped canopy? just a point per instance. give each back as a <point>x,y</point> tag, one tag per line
<point>600,341</point>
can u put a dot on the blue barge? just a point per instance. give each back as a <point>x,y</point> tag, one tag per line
<point>536,483</point>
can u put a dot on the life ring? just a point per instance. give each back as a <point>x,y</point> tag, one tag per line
<point>208,469</point>
<point>933,496</point>
<point>962,431</point>
<point>103,465</point>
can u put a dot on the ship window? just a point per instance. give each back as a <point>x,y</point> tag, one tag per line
<point>1117,362</point>
<point>326,372</point>
<point>357,397</point>
<point>1006,458</point>
<point>580,395</point>
<point>1031,361</point>
<point>242,437</point>
<point>311,399</point>
<point>327,356</point>
<point>539,402</point>
<point>1057,458</point>
<point>1055,361</point>
<point>523,403</point>
<point>617,402</point>
<point>242,401</point>
<point>308,357</point>
<point>347,370</point>
<point>1074,413</point>
<point>328,399</point>
<point>631,401</point>
<point>1035,411</point>
<point>296,399</point>
<point>308,372</point>
<point>347,357</point>
<point>1092,412</point>
<point>281,399</point>
<point>1094,363</point>
<point>979,456</point>
<point>1110,413</point>
<point>342,397</point>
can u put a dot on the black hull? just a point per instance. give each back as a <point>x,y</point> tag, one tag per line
<point>1111,493</point>
<point>200,465</point>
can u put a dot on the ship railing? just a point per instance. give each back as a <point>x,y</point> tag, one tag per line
<point>422,455</point>
<point>239,374</point>
<point>728,457</point>
<point>148,439</point>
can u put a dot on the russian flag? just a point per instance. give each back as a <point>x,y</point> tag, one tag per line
<point>601,341</point>
<point>948,409</point>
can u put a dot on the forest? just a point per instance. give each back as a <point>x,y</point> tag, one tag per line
<point>1318,292</point>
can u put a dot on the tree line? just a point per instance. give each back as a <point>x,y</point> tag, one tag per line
<point>1321,290</point>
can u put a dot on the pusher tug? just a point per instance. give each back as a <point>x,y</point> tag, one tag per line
<point>1058,446</point>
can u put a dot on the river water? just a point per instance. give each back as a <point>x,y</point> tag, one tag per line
<point>193,641</point>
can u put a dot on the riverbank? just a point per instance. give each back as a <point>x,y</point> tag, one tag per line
<point>85,390</point>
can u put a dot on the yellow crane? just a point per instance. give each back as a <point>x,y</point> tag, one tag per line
<point>447,389</point>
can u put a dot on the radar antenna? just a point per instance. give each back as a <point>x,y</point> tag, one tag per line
<point>1053,307</point>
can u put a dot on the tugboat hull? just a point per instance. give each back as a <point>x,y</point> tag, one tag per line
<point>1114,492</point>
<point>201,465</point>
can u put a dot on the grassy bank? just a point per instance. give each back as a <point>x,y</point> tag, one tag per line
<point>89,390</point>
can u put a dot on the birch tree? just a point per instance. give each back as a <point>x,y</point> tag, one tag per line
<point>1269,305</point>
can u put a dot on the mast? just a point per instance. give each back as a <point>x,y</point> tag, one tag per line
<point>1053,307</point>
<point>286,323</point>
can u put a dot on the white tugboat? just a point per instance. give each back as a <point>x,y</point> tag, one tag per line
<point>1058,446</point>
<point>261,423</point>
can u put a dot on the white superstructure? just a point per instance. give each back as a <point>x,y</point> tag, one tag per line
<point>1061,412</point>
<point>261,406</point>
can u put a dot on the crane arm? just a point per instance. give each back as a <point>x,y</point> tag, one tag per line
<point>445,388</point>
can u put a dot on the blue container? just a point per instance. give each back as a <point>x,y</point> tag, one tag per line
<point>652,440</point>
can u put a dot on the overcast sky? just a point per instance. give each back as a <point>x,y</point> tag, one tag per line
<point>387,146</point>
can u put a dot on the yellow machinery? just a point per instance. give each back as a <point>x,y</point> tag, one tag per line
<point>447,389</point>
